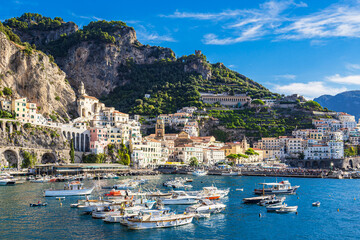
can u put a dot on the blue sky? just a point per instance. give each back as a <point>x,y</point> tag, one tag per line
<point>309,47</point>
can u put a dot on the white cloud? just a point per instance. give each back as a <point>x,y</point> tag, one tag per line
<point>351,79</point>
<point>86,17</point>
<point>309,90</point>
<point>352,66</point>
<point>252,33</point>
<point>334,21</point>
<point>286,76</point>
<point>154,37</point>
<point>277,19</point>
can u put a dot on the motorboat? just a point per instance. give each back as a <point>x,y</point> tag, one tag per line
<point>199,173</point>
<point>74,188</point>
<point>316,204</point>
<point>274,207</point>
<point>287,209</point>
<point>159,221</point>
<point>39,204</point>
<point>40,179</point>
<point>275,200</point>
<point>179,198</point>
<point>6,179</point>
<point>258,199</point>
<point>206,206</point>
<point>283,187</point>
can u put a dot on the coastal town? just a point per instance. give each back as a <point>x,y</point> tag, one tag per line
<point>99,126</point>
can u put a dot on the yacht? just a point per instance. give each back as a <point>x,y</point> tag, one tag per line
<point>74,188</point>
<point>179,198</point>
<point>283,187</point>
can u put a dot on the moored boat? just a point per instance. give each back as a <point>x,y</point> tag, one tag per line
<point>159,221</point>
<point>74,188</point>
<point>257,199</point>
<point>206,206</point>
<point>199,173</point>
<point>283,187</point>
<point>287,209</point>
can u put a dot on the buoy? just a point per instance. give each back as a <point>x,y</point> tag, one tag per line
<point>296,213</point>
<point>354,199</point>
<point>259,214</point>
<point>298,197</point>
<point>338,210</point>
<point>60,203</point>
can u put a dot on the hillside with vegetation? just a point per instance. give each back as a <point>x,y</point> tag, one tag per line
<point>151,80</point>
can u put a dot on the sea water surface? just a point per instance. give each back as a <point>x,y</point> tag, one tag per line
<point>338,217</point>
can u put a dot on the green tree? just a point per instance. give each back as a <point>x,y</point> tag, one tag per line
<point>7,91</point>
<point>251,151</point>
<point>29,160</point>
<point>193,162</point>
<point>72,151</point>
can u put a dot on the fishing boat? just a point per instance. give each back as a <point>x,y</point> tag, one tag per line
<point>179,198</point>
<point>159,221</point>
<point>199,173</point>
<point>258,199</point>
<point>283,187</point>
<point>274,207</point>
<point>206,206</point>
<point>287,209</point>
<point>74,188</point>
<point>316,204</point>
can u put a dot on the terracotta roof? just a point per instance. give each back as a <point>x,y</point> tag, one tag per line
<point>90,97</point>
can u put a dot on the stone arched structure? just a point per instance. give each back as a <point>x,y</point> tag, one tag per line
<point>307,164</point>
<point>322,164</point>
<point>12,158</point>
<point>48,158</point>
<point>315,164</point>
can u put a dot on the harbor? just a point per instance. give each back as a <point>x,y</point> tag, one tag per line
<point>339,201</point>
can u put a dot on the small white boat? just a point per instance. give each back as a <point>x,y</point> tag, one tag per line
<point>274,207</point>
<point>159,221</point>
<point>258,199</point>
<point>206,206</point>
<point>199,173</point>
<point>240,189</point>
<point>71,189</point>
<point>316,204</point>
<point>287,209</point>
<point>7,181</point>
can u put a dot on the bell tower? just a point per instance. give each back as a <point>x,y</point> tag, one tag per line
<point>160,128</point>
<point>82,91</point>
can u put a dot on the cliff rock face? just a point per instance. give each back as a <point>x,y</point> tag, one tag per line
<point>35,77</point>
<point>40,38</point>
<point>97,64</point>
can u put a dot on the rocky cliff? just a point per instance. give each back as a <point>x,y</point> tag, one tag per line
<point>43,37</point>
<point>31,74</point>
<point>97,64</point>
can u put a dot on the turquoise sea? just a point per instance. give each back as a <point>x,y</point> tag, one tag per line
<point>239,221</point>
